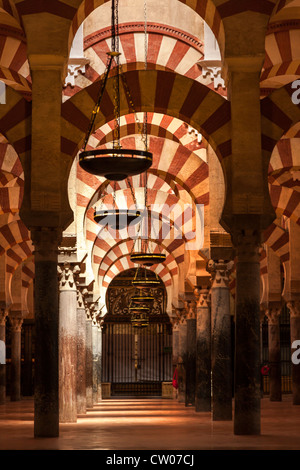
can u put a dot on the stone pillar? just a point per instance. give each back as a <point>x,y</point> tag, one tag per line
<point>221,342</point>
<point>89,361</point>
<point>294,308</point>
<point>3,315</point>
<point>15,370</point>
<point>99,363</point>
<point>95,360</point>
<point>261,320</point>
<point>67,344</point>
<point>247,334</point>
<point>175,343</point>
<point>81,354</point>
<point>273,314</point>
<point>191,355</point>
<point>182,357</point>
<point>46,403</point>
<point>203,352</point>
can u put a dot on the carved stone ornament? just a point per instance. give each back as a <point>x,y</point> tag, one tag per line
<point>3,315</point>
<point>16,323</point>
<point>273,315</point>
<point>294,308</point>
<point>219,273</point>
<point>213,70</point>
<point>204,299</point>
<point>67,273</point>
<point>76,65</point>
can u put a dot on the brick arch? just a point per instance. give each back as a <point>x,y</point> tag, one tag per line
<point>15,123</point>
<point>286,201</point>
<point>13,234</point>
<point>285,163</point>
<point>10,8</point>
<point>153,91</point>
<point>281,60</point>
<point>278,115</point>
<point>120,266</point>
<point>204,8</point>
<point>158,125</point>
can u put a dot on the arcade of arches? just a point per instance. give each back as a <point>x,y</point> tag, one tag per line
<point>219,85</point>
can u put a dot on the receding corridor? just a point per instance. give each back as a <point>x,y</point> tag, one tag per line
<point>150,424</point>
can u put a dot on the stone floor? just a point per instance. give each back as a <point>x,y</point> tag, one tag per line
<point>147,424</point>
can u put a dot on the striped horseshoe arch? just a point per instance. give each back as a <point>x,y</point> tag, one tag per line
<point>162,92</point>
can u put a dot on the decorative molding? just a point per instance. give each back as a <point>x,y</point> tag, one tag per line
<point>76,65</point>
<point>213,69</point>
<point>280,26</point>
<point>157,28</point>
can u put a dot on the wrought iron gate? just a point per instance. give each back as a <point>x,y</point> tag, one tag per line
<point>136,362</point>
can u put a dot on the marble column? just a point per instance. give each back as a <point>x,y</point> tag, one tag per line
<point>81,354</point>
<point>99,363</point>
<point>294,308</point>
<point>273,314</point>
<point>95,360</point>
<point>3,315</point>
<point>203,352</point>
<point>247,333</point>
<point>182,357</point>
<point>221,342</point>
<point>46,401</point>
<point>15,368</point>
<point>89,361</point>
<point>191,354</point>
<point>67,344</point>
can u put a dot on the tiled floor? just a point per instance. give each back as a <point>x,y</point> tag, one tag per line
<point>147,424</point>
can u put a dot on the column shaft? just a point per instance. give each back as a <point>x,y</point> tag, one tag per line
<point>95,362</point>
<point>89,364</point>
<point>46,402</point>
<point>274,354</point>
<point>99,364</point>
<point>67,347</point>
<point>221,345</point>
<point>190,362</point>
<point>203,354</point>
<point>247,335</point>
<point>15,368</point>
<point>81,358</point>
<point>182,362</point>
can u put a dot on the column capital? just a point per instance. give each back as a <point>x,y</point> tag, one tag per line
<point>204,298</point>
<point>3,315</point>
<point>273,314</point>
<point>294,308</point>
<point>46,241</point>
<point>67,272</point>
<point>16,323</point>
<point>247,243</point>
<point>191,313</point>
<point>219,271</point>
